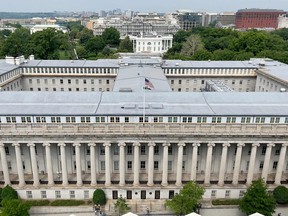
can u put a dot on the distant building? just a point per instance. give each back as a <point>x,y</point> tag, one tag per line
<point>257,18</point>
<point>226,19</point>
<point>188,20</point>
<point>151,43</point>
<point>283,21</point>
<point>37,28</point>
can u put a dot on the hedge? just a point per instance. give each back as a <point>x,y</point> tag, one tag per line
<point>226,201</point>
<point>37,202</point>
<point>67,202</point>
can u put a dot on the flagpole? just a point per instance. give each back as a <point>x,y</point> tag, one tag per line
<point>144,101</point>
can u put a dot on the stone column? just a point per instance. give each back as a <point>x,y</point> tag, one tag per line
<point>78,164</point>
<point>136,163</point>
<point>223,163</point>
<point>165,164</point>
<point>194,161</point>
<point>122,163</point>
<point>267,162</point>
<point>4,164</point>
<point>237,164</point>
<point>19,164</point>
<point>280,164</point>
<point>208,163</point>
<point>179,164</point>
<point>107,164</point>
<point>63,164</point>
<point>250,173</point>
<point>49,163</point>
<point>151,164</point>
<point>36,182</point>
<point>93,163</point>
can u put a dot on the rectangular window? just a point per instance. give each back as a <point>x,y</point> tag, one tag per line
<point>129,149</point>
<point>173,119</point>
<point>29,194</point>
<point>171,194</point>
<point>261,165</point>
<point>263,152</point>
<point>241,193</point>
<point>156,149</point>
<point>58,194</point>
<point>275,163</point>
<point>169,165</point>
<point>100,119</point>
<point>7,151</point>
<point>187,119</point>
<point>55,119</point>
<point>115,119</point>
<point>141,119</point>
<point>40,119</point>
<point>213,194</point>
<point>102,150</point>
<point>88,165</point>
<point>157,194</point>
<point>72,194</point>
<point>227,193</point>
<point>142,165</point>
<point>115,150</point>
<point>156,165</point>
<point>85,119</point>
<point>86,194</point>
<point>129,194</point>
<point>102,163</point>
<point>43,195</point>
<point>129,165</point>
<point>115,194</point>
<point>143,194</point>
<point>116,165</point>
<point>170,150</point>
<point>143,149</point>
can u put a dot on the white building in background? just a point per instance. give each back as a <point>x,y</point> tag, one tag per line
<point>37,28</point>
<point>68,127</point>
<point>283,21</point>
<point>151,43</point>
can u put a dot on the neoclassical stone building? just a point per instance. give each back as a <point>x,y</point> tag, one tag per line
<point>140,139</point>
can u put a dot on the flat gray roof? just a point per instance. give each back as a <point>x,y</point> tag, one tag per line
<point>133,77</point>
<point>4,67</point>
<point>156,103</point>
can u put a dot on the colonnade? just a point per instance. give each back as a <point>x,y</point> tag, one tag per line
<point>136,161</point>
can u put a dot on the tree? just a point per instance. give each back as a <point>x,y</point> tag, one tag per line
<point>187,200</point>
<point>99,197</point>
<point>201,55</point>
<point>8,193</point>
<point>95,44</point>
<point>14,207</point>
<point>121,206</point>
<point>280,194</point>
<point>85,35</point>
<point>126,45</point>
<point>257,199</point>
<point>111,36</point>
<point>192,44</point>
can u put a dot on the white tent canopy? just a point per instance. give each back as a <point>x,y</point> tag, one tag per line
<point>193,214</point>
<point>129,214</point>
<point>256,214</point>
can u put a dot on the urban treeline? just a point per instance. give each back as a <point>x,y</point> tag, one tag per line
<point>203,43</point>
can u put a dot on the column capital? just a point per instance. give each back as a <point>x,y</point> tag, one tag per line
<point>211,144</point>
<point>285,144</point>
<point>226,144</point>
<point>76,144</point>
<point>46,144</point>
<point>121,144</point>
<point>151,144</point>
<point>91,144</point>
<point>16,144</point>
<point>196,144</point>
<point>181,144</point>
<point>240,144</point>
<point>62,144</point>
<point>136,144</point>
<point>31,144</point>
<point>106,144</point>
<point>166,144</point>
<point>270,144</point>
<point>256,144</point>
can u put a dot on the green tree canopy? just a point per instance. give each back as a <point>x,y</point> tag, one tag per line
<point>280,194</point>
<point>95,44</point>
<point>121,206</point>
<point>126,45</point>
<point>85,35</point>
<point>14,207</point>
<point>99,197</point>
<point>8,193</point>
<point>257,199</point>
<point>187,200</point>
<point>192,44</point>
<point>111,36</point>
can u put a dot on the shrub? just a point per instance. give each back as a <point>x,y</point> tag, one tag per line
<point>226,201</point>
<point>280,194</point>
<point>9,193</point>
<point>99,197</point>
<point>67,202</point>
<point>37,202</point>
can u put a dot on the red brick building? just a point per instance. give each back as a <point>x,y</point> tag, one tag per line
<point>257,18</point>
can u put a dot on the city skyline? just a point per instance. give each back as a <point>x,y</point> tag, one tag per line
<point>143,6</point>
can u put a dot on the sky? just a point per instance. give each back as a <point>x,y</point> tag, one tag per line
<point>139,5</point>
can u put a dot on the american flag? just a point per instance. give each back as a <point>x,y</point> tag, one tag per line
<point>148,84</point>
